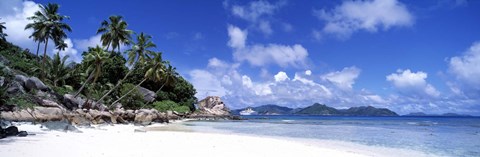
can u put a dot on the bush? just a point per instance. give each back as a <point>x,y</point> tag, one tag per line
<point>166,105</point>
<point>22,102</point>
<point>134,100</point>
<point>63,90</point>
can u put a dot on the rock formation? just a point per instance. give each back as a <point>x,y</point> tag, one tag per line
<point>212,105</point>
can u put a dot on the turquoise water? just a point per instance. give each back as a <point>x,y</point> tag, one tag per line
<point>444,136</point>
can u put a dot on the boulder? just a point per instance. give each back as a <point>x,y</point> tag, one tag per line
<point>49,103</point>
<point>148,95</point>
<point>35,83</point>
<point>11,131</point>
<point>144,118</point>
<point>21,79</point>
<point>71,102</point>
<point>48,113</point>
<point>62,125</point>
<point>76,119</point>
<point>213,105</point>
<point>15,88</point>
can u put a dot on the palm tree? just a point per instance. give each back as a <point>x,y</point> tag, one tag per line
<point>2,27</point>
<point>114,32</point>
<point>137,54</point>
<point>169,76</point>
<point>154,73</point>
<point>94,59</point>
<point>58,68</point>
<point>48,24</point>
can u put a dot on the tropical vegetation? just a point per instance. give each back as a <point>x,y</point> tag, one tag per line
<point>106,74</point>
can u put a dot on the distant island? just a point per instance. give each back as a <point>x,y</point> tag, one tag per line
<point>316,109</point>
<point>421,114</point>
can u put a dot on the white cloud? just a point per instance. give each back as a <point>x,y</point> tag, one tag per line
<point>258,13</point>
<point>15,17</point>
<point>83,44</point>
<point>255,10</point>
<point>70,51</point>
<point>466,68</point>
<point>265,27</point>
<point>317,34</point>
<point>304,80</point>
<point>247,82</point>
<point>217,63</point>
<point>308,72</point>
<point>369,15</point>
<point>237,37</point>
<point>206,84</point>
<point>282,55</point>
<point>412,83</point>
<point>281,76</point>
<point>343,79</point>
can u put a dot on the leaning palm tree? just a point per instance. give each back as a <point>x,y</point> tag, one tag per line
<point>48,24</point>
<point>94,59</point>
<point>169,76</point>
<point>139,52</point>
<point>154,72</point>
<point>115,33</point>
<point>2,27</point>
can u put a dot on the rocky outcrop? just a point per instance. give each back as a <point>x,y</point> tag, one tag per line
<point>35,83</point>
<point>212,105</point>
<point>85,117</point>
<point>148,95</point>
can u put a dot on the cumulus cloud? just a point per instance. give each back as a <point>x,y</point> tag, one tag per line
<point>258,13</point>
<point>237,37</point>
<point>282,55</point>
<point>15,17</point>
<point>83,44</point>
<point>308,72</point>
<point>70,51</point>
<point>368,15</point>
<point>281,76</point>
<point>466,69</point>
<point>343,79</point>
<point>206,84</point>
<point>412,83</point>
<point>262,55</point>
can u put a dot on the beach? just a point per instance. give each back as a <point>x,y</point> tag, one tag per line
<point>124,141</point>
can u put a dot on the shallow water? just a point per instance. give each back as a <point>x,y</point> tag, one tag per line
<point>444,136</point>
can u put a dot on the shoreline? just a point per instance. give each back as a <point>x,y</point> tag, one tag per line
<point>124,140</point>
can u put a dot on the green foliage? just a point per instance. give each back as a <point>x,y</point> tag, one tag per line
<point>134,100</point>
<point>3,95</point>
<point>22,101</point>
<point>182,93</point>
<point>63,89</point>
<point>18,59</point>
<point>168,105</point>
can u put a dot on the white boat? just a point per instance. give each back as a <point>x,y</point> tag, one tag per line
<point>247,111</point>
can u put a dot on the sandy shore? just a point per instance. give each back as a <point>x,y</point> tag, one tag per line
<point>122,141</point>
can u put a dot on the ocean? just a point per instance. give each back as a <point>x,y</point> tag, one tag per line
<point>438,136</point>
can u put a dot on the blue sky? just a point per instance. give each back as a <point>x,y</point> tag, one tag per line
<point>408,56</point>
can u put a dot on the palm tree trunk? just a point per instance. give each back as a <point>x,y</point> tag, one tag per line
<point>115,87</point>
<point>85,83</point>
<point>44,57</point>
<point>38,48</point>
<point>131,90</point>
<point>162,86</point>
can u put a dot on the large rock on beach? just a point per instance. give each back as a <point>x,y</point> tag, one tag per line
<point>213,105</point>
<point>148,95</point>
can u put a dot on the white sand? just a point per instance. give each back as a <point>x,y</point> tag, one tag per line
<point>122,141</point>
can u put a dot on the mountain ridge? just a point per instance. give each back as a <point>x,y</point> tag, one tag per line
<point>318,109</point>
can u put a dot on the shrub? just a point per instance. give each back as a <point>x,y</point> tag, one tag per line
<point>134,100</point>
<point>170,105</point>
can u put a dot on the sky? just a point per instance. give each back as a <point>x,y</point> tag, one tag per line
<point>408,56</point>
